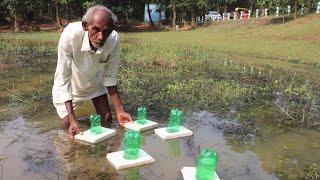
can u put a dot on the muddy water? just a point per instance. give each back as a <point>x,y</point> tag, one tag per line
<point>36,149</point>
<point>30,153</point>
<point>32,146</point>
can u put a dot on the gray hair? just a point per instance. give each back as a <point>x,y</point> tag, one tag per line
<point>87,17</point>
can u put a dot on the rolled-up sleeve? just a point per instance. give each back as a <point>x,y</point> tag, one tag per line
<point>111,69</point>
<point>62,89</point>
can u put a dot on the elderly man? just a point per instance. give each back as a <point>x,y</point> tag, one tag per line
<point>88,61</point>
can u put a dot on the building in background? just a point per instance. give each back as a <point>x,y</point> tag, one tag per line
<point>156,15</point>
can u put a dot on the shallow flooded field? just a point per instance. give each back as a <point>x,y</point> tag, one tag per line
<point>261,120</point>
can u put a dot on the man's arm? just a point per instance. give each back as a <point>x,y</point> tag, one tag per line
<point>62,89</point>
<point>122,116</point>
<point>73,128</point>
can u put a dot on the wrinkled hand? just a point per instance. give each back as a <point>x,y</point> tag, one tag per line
<point>73,130</point>
<point>124,117</point>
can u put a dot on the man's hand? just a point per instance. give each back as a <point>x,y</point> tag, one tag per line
<point>123,117</point>
<point>73,129</point>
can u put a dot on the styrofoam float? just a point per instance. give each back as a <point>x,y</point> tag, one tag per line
<point>116,160</point>
<point>141,127</point>
<point>162,133</point>
<point>89,137</point>
<point>189,173</point>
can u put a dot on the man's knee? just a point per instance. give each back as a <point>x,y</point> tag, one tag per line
<point>106,117</point>
<point>65,122</point>
<point>101,104</point>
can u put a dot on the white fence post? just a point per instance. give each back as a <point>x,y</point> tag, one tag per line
<point>277,11</point>
<point>257,13</point>
<point>302,10</point>
<point>249,15</point>
<point>241,14</point>
<point>223,18</point>
<point>228,16</point>
<point>266,12</point>
<point>235,16</point>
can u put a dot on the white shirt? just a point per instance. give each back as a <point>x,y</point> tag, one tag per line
<point>81,73</point>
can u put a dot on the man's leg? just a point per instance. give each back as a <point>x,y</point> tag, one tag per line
<point>102,108</point>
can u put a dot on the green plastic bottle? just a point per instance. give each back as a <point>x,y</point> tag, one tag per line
<point>132,143</point>
<point>142,115</point>
<point>95,127</point>
<point>206,165</point>
<point>175,121</point>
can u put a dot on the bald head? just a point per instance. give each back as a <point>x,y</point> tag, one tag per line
<point>100,13</point>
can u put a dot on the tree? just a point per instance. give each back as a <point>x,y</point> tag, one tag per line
<point>310,2</point>
<point>58,19</point>
<point>16,10</point>
<point>174,12</point>
<point>123,9</point>
<point>227,3</point>
<point>196,7</point>
<point>149,13</point>
<point>309,8</point>
<point>296,3</point>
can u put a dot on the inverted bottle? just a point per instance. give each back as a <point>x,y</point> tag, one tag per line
<point>142,115</point>
<point>132,144</point>
<point>95,127</point>
<point>206,164</point>
<point>175,121</point>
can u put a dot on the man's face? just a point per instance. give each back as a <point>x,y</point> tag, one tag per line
<point>98,30</point>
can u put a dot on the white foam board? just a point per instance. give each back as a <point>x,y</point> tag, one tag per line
<point>116,160</point>
<point>189,173</point>
<point>89,137</point>
<point>138,127</point>
<point>162,132</point>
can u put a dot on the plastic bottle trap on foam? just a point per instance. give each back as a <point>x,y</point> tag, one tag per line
<point>206,164</point>
<point>95,127</point>
<point>175,121</point>
<point>142,115</point>
<point>132,143</point>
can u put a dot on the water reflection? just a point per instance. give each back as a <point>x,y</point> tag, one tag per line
<point>23,153</point>
<point>231,164</point>
<point>174,148</point>
<point>132,174</point>
<point>80,160</point>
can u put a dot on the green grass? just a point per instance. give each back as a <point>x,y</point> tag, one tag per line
<point>252,42</point>
<point>226,66</point>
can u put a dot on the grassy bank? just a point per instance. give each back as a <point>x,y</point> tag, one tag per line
<point>293,45</point>
<point>251,67</point>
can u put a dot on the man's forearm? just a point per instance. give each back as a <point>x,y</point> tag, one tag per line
<point>69,107</point>
<point>115,98</point>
